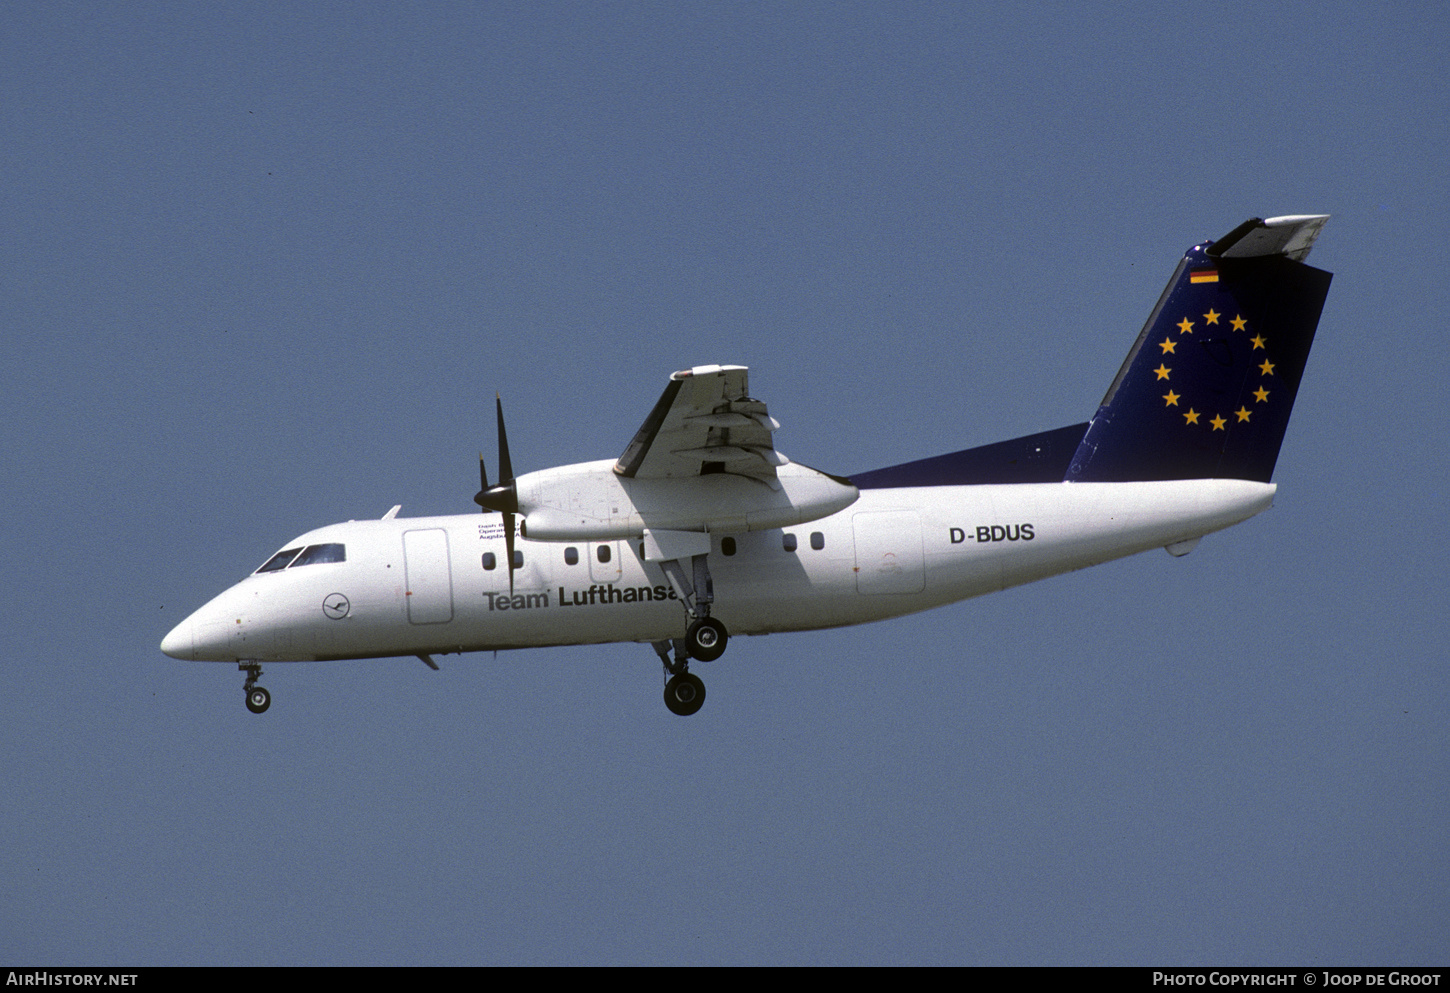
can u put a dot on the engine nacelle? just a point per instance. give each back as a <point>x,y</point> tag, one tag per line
<point>590,502</point>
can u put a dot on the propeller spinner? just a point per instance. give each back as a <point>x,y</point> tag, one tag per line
<point>503,498</point>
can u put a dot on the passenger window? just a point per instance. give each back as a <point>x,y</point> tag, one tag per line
<point>571,556</point>
<point>727,545</point>
<point>518,559</point>
<point>280,560</point>
<point>789,542</point>
<point>489,562</point>
<point>818,540</point>
<point>315,554</point>
<point>603,554</point>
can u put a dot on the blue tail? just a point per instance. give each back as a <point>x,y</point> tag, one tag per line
<point>1207,389</point>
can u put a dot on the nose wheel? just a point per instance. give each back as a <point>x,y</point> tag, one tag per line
<point>258,699</point>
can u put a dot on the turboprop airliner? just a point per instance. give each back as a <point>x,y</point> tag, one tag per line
<point>702,530</point>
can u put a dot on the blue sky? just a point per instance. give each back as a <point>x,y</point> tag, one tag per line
<point>266,264</point>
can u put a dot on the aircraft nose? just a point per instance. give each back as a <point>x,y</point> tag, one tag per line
<point>179,644</point>
<point>211,633</point>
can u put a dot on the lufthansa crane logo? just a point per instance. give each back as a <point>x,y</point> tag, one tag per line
<point>336,606</point>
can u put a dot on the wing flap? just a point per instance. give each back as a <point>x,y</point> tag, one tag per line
<point>705,421</point>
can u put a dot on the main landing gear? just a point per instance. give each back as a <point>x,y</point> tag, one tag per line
<point>258,699</point>
<point>685,694</point>
<point>704,639</point>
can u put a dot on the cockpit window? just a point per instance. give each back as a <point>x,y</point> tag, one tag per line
<point>280,560</point>
<point>313,554</point>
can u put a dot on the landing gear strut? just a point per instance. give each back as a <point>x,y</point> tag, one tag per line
<point>258,699</point>
<point>705,638</point>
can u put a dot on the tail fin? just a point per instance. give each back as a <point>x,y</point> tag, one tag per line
<point>1207,389</point>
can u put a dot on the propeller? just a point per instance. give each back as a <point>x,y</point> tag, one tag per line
<point>503,498</point>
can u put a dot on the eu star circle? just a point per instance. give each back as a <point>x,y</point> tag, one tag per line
<point>336,606</point>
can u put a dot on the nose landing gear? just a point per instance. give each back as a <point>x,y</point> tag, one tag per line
<point>258,699</point>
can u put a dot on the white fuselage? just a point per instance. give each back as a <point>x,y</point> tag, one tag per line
<point>419,586</point>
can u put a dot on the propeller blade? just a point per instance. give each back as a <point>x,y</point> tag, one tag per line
<point>504,497</point>
<point>505,466</point>
<point>508,542</point>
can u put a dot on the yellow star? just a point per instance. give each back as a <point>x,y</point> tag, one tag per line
<point>1218,423</point>
<point>1267,368</point>
<point>1238,323</point>
<point>1185,326</point>
<point>1162,371</point>
<point>1167,344</point>
<point>1172,399</point>
<point>1243,413</point>
<point>1192,416</point>
<point>1258,341</point>
<point>1211,317</point>
<point>1262,394</point>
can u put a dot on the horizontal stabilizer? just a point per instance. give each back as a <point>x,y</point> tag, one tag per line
<point>1291,236</point>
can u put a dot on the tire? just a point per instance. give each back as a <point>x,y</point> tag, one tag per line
<point>685,694</point>
<point>705,639</point>
<point>258,700</point>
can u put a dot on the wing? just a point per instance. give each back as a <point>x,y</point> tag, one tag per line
<point>705,422</point>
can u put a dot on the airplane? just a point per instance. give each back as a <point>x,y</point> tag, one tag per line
<point>702,530</point>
